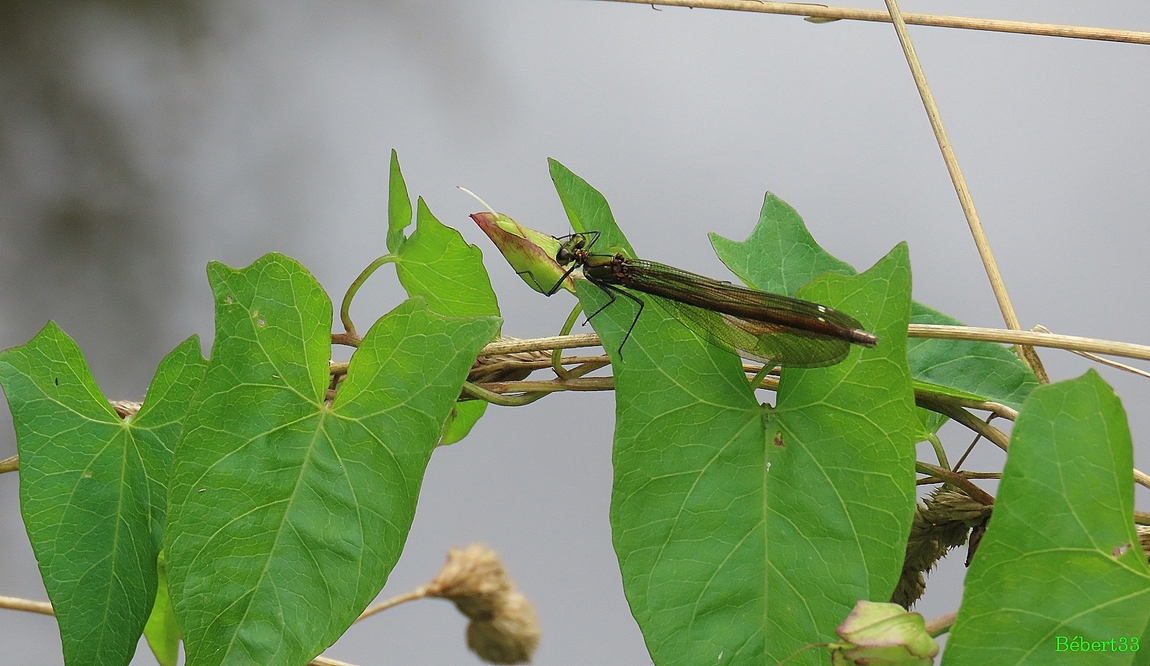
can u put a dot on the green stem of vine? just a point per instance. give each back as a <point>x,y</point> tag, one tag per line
<point>557,354</point>
<point>939,452</point>
<point>345,307</point>
<point>476,391</point>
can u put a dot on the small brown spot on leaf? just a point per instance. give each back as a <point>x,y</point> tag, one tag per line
<point>779,439</point>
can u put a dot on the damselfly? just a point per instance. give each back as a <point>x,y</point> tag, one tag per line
<point>755,324</point>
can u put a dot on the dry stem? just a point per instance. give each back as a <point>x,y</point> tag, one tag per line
<point>941,625</point>
<point>324,661</point>
<point>16,603</point>
<point>1027,354</point>
<point>932,331</point>
<point>933,20</point>
<point>418,593</point>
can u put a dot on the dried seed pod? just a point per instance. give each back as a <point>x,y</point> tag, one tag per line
<point>471,572</point>
<point>510,636</point>
<point>504,628</point>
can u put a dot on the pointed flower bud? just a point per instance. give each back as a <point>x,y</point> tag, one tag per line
<point>531,253</point>
<point>880,634</point>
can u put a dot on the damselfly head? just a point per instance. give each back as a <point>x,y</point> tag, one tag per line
<point>575,246</point>
<point>570,248</point>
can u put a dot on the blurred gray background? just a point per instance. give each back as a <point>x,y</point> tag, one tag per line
<point>140,140</point>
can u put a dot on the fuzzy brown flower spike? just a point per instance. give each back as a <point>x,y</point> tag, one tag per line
<point>503,627</point>
<point>940,524</point>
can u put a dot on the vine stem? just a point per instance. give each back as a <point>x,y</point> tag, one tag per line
<point>557,353</point>
<point>931,331</point>
<point>934,20</point>
<point>345,307</point>
<point>418,593</point>
<point>960,415</point>
<point>541,344</point>
<point>954,478</point>
<point>940,625</point>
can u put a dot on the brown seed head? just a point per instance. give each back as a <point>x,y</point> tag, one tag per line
<point>510,636</point>
<point>504,628</point>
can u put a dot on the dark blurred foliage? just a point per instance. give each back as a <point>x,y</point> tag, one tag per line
<point>83,238</point>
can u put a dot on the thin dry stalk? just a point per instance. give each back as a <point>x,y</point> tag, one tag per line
<point>1027,354</point>
<point>1098,359</point>
<point>940,625</point>
<point>1068,342</point>
<point>827,14</point>
<point>16,603</point>
<point>933,331</point>
<point>512,345</point>
<point>324,661</point>
<point>418,593</point>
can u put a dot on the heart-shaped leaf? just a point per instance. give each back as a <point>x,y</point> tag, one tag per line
<point>1060,561</point>
<point>288,510</point>
<point>92,487</point>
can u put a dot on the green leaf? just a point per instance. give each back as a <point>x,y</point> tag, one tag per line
<point>162,631</point>
<point>723,560</point>
<point>439,265</point>
<point>587,209</point>
<point>463,418</point>
<point>92,487</point>
<point>780,255</point>
<point>1060,556</point>
<point>985,369</point>
<point>398,206</point>
<point>288,512</point>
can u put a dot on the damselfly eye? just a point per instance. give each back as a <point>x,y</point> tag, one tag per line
<point>563,256</point>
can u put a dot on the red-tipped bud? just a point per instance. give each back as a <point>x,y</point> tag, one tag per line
<point>530,253</point>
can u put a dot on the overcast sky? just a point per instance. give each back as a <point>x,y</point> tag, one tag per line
<point>137,145</point>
